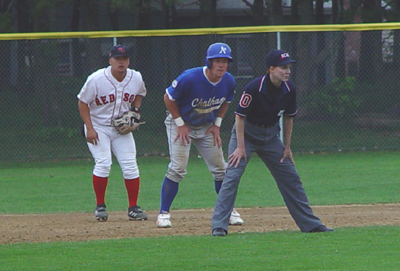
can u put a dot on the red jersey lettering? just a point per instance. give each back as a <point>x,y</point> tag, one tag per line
<point>103,99</point>
<point>126,97</point>
<point>112,98</point>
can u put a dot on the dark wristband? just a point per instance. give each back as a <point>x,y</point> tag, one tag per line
<point>135,109</point>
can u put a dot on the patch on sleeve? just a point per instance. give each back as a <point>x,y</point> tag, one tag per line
<point>174,83</point>
<point>245,100</point>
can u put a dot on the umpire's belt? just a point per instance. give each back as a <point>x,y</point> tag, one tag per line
<point>264,126</point>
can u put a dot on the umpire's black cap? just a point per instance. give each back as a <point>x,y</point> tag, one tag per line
<point>278,58</point>
<point>118,50</point>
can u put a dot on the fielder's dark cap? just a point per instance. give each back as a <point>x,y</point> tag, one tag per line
<point>278,58</point>
<point>118,50</point>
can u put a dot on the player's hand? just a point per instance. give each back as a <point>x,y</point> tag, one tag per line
<point>92,137</point>
<point>287,153</point>
<point>217,138</point>
<point>236,156</point>
<point>183,135</point>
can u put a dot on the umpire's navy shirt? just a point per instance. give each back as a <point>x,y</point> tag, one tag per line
<point>262,103</point>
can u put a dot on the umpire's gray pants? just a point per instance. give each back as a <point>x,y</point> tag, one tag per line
<point>269,148</point>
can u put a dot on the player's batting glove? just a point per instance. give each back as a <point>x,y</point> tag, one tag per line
<point>129,122</point>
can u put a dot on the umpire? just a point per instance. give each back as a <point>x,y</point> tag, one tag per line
<point>256,129</point>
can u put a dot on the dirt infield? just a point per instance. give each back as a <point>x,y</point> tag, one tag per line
<point>83,226</point>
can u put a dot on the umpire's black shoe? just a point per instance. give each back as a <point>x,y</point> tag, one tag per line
<point>321,228</point>
<point>219,232</point>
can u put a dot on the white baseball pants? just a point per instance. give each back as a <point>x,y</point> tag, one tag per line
<point>123,147</point>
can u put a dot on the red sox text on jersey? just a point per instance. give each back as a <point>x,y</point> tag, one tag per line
<point>102,100</point>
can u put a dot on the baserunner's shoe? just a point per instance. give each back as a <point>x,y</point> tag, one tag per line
<point>163,220</point>
<point>100,213</point>
<point>235,218</point>
<point>135,213</point>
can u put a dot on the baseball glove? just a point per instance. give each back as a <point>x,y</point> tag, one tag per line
<point>129,122</point>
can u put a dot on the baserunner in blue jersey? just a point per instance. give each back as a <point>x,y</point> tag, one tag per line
<point>197,102</point>
<point>264,101</point>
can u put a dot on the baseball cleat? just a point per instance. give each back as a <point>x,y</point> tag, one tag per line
<point>235,218</point>
<point>163,220</point>
<point>219,232</point>
<point>100,213</point>
<point>135,213</point>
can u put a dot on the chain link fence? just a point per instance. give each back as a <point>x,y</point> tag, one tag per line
<point>348,94</point>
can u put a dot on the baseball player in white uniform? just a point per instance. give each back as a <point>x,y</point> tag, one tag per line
<point>105,96</point>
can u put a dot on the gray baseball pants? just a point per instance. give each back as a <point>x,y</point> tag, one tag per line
<point>179,155</point>
<point>266,143</point>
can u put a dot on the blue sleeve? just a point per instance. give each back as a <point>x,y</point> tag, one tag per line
<point>177,87</point>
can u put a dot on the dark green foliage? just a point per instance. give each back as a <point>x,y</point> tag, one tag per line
<point>335,101</point>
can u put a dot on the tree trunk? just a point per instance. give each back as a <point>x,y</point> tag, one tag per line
<point>5,52</point>
<point>145,15</point>
<point>257,10</point>
<point>396,37</point>
<point>208,13</point>
<point>259,44</point>
<point>91,23</point>
<point>113,14</point>
<point>303,46</point>
<point>319,19</point>
<point>23,25</point>
<point>295,13</point>
<point>339,40</point>
<point>277,12</point>
<point>371,43</point>
<point>76,65</point>
<point>274,17</point>
<point>169,11</point>
<point>293,37</point>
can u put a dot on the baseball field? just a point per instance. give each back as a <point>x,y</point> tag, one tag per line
<point>47,221</point>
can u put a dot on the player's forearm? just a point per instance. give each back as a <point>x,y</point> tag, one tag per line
<point>137,102</point>
<point>239,125</point>
<point>85,114</point>
<point>220,114</point>
<point>172,107</point>
<point>222,110</point>
<point>287,130</point>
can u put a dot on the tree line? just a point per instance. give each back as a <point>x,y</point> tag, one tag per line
<point>26,16</point>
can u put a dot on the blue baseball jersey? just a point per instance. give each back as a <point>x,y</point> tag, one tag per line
<point>197,98</point>
<point>262,103</point>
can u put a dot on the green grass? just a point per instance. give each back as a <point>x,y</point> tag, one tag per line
<point>341,135</point>
<point>333,178</point>
<point>338,178</point>
<point>369,248</point>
